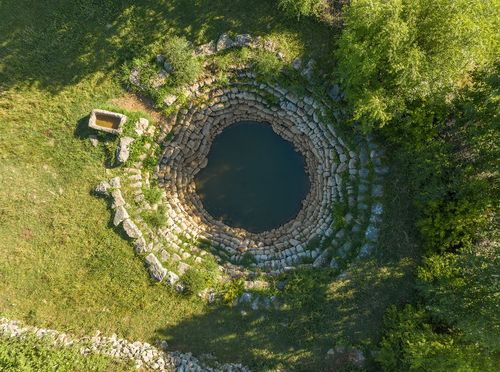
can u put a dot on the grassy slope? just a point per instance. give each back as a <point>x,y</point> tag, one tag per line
<point>62,266</point>
<point>32,354</point>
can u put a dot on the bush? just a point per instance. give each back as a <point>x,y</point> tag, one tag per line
<point>397,55</point>
<point>153,194</point>
<point>232,289</point>
<point>411,344</point>
<point>186,67</point>
<point>206,275</point>
<point>302,8</point>
<point>267,65</point>
<point>156,218</point>
<point>461,290</point>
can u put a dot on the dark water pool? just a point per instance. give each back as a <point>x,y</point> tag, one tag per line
<point>254,178</point>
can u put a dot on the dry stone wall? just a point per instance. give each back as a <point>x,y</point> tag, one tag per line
<point>339,220</point>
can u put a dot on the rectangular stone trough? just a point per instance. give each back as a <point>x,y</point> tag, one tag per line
<point>107,121</point>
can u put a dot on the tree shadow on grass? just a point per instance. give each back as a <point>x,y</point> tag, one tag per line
<point>330,311</point>
<point>58,43</point>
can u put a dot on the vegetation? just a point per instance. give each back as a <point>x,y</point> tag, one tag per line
<point>33,354</point>
<point>201,277</point>
<point>300,8</point>
<point>420,75</point>
<point>185,66</point>
<point>424,72</point>
<point>400,59</point>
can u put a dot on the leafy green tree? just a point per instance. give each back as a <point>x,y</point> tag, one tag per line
<point>411,343</point>
<point>462,290</point>
<point>396,55</point>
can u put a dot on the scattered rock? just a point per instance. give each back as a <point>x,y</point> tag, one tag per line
<point>102,188</point>
<point>118,200</point>
<point>115,182</point>
<point>245,298</point>
<point>172,278</point>
<point>155,268</point>
<point>141,126</point>
<point>134,78</point>
<point>297,64</point>
<point>120,215</point>
<point>169,99</point>
<point>242,40</point>
<point>93,140</point>
<point>131,229</point>
<point>140,245</point>
<point>335,92</point>
<point>224,42</point>
<point>123,150</point>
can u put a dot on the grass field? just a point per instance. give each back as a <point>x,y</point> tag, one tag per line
<point>62,265</point>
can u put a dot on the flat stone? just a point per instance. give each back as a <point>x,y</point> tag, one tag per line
<point>169,99</point>
<point>102,188</point>
<point>118,200</point>
<point>123,150</point>
<point>140,245</point>
<point>131,229</point>
<point>120,215</point>
<point>155,268</point>
<point>224,42</point>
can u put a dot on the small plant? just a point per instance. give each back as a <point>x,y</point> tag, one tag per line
<point>247,259</point>
<point>185,66</point>
<point>33,354</point>
<point>267,65</point>
<point>204,276</point>
<point>155,218</point>
<point>339,211</point>
<point>152,195</point>
<point>232,289</point>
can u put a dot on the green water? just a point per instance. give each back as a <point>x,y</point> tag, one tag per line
<point>254,178</point>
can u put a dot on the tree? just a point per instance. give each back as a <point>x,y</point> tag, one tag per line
<point>396,55</point>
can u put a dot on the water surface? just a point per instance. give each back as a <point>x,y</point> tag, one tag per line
<point>254,178</point>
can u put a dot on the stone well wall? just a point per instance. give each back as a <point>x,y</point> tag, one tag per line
<point>339,173</point>
<point>339,219</point>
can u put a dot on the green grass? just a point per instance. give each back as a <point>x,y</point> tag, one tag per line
<point>33,354</point>
<point>63,266</point>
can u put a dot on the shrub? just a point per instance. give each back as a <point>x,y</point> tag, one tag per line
<point>206,275</point>
<point>155,218</point>
<point>302,8</point>
<point>267,65</point>
<point>186,67</point>
<point>153,194</point>
<point>232,290</point>
<point>411,344</point>
<point>396,55</point>
<point>462,290</point>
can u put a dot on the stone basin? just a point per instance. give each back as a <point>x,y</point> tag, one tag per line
<point>107,121</point>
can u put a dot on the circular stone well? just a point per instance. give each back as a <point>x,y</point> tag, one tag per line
<point>255,179</point>
<point>334,222</point>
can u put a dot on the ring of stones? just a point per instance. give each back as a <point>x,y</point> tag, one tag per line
<point>337,173</point>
